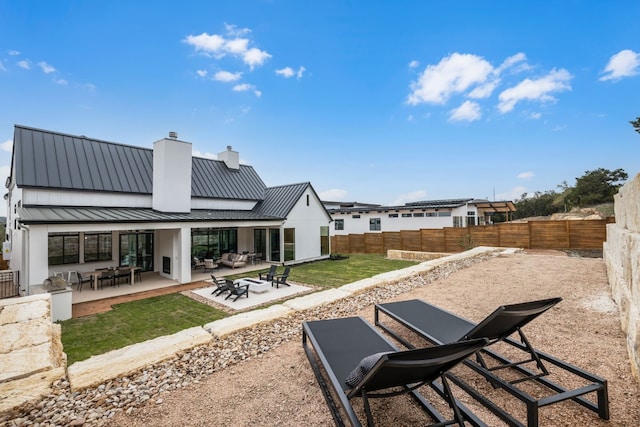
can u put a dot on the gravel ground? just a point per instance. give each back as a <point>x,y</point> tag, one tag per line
<point>261,377</point>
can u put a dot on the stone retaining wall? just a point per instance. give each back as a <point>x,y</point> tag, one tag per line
<point>621,253</point>
<point>414,255</point>
<point>31,356</point>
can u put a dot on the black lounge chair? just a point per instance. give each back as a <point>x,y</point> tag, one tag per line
<point>222,285</point>
<point>439,326</point>
<point>269,275</point>
<point>236,290</point>
<point>281,279</point>
<point>343,347</point>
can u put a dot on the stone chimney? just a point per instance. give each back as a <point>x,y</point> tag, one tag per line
<point>172,175</point>
<point>231,158</point>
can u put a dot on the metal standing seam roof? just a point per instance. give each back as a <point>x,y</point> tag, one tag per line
<point>69,215</point>
<point>53,160</point>
<point>280,200</point>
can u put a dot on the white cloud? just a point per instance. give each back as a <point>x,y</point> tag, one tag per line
<point>202,73</point>
<point>518,59</point>
<point>233,30</point>
<point>288,72</point>
<point>469,111</point>
<point>62,82</point>
<point>414,64</point>
<point>226,76</point>
<point>625,63</point>
<point>197,153</point>
<point>208,44</point>
<point>285,72</point>
<point>453,74</point>
<point>526,175</point>
<point>255,56</point>
<point>413,196</point>
<point>218,46</point>
<point>46,68</point>
<point>410,118</point>
<point>535,116</point>
<point>2,67</point>
<point>512,194</point>
<point>485,90</point>
<point>333,195</point>
<point>24,64</point>
<point>535,90</point>
<point>7,146</point>
<point>13,52</point>
<point>245,87</point>
<point>90,87</point>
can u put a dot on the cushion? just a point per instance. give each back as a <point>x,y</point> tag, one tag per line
<point>230,257</point>
<point>363,368</point>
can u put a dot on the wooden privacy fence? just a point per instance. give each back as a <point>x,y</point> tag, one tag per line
<point>566,234</point>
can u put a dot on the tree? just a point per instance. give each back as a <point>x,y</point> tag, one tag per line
<point>595,187</point>
<point>636,124</point>
<point>539,204</point>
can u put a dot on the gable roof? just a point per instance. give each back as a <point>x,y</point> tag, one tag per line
<point>280,200</point>
<point>53,160</point>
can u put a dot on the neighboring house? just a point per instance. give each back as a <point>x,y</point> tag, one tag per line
<point>77,203</point>
<point>360,218</point>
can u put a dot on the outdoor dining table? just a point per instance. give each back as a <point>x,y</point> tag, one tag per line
<point>96,274</point>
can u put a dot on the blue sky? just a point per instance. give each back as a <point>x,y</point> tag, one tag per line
<point>370,101</point>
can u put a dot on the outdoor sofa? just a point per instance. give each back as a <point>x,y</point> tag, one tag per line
<point>233,260</point>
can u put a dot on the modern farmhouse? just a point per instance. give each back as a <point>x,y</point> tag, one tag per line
<point>81,204</point>
<point>359,218</point>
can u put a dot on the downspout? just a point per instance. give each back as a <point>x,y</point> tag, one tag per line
<point>24,269</point>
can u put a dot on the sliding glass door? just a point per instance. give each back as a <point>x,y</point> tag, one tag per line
<point>136,250</point>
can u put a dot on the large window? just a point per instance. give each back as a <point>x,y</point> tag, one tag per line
<point>324,240</point>
<point>213,242</point>
<point>457,221</point>
<point>97,247</point>
<point>289,244</point>
<point>260,242</point>
<point>374,224</point>
<point>64,248</point>
<point>339,224</point>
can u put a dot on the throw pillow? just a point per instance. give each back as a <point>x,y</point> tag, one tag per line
<point>363,368</point>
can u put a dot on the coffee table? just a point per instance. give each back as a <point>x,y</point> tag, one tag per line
<point>255,285</point>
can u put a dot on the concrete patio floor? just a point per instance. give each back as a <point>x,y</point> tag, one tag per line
<point>153,282</point>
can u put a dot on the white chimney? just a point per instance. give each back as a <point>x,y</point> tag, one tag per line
<point>231,158</point>
<point>172,175</point>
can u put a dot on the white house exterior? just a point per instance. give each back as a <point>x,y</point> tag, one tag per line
<point>358,218</point>
<point>78,204</point>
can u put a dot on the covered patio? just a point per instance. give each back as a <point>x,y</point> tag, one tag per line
<point>153,280</point>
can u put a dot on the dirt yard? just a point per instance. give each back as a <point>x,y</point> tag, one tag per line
<point>279,388</point>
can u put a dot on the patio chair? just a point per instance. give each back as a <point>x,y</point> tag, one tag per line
<point>269,275</point>
<point>358,361</point>
<point>107,276</point>
<point>281,279</point>
<point>197,263</point>
<point>236,290</point>
<point>75,277</point>
<point>122,274</point>
<point>209,264</point>
<point>222,285</point>
<point>440,326</point>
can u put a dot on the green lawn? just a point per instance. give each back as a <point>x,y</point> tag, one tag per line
<point>332,274</point>
<point>142,320</point>
<point>133,322</point>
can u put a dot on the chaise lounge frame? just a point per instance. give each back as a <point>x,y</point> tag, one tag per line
<point>440,326</point>
<point>335,346</point>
